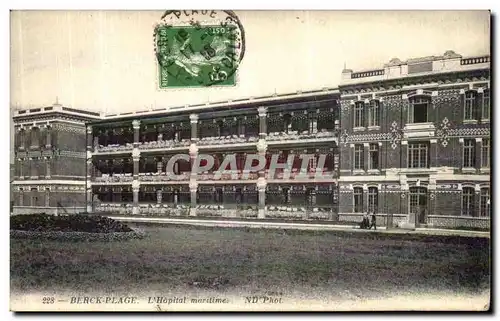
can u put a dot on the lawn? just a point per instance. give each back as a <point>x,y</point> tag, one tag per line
<point>219,259</point>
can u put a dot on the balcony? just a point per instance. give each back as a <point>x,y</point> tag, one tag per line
<point>419,130</point>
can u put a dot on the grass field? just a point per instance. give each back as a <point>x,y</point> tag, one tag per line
<point>361,264</point>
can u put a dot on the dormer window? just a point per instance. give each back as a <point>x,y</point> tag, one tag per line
<point>418,110</point>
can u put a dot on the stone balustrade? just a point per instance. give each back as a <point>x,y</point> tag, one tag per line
<point>475,60</point>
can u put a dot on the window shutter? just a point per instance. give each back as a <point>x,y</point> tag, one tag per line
<point>379,114</point>
<point>366,107</point>
<point>462,106</point>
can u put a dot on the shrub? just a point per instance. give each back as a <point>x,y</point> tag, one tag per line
<point>66,223</point>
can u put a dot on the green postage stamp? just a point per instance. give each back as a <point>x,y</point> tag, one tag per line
<point>198,48</point>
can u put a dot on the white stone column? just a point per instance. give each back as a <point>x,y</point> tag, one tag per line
<point>136,185</point>
<point>48,136</point>
<point>90,205</point>
<point>261,187</point>
<point>47,167</point>
<point>193,184</point>
<point>158,196</point>
<point>262,122</point>
<point>193,190</point>
<point>194,127</point>
<point>136,125</point>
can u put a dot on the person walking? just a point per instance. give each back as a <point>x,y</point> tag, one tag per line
<point>374,221</point>
<point>365,223</point>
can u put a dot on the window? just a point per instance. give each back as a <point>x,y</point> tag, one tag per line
<point>418,155</point>
<point>359,114</point>
<point>484,202</point>
<point>486,105</point>
<point>469,102</point>
<point>358,200</point>
<point>485,153</point>
<point>373,161</point>
<point>468,201</point>
<point>372,199</point>
<point>417,111</point>
<point>358,156</point>
<point>373,113</point>
<point>469,153</point>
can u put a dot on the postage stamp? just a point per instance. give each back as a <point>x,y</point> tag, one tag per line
<point>198,48</point>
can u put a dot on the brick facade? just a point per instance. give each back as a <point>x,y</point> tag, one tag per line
<point>425,116</point>
<point>49,164</point>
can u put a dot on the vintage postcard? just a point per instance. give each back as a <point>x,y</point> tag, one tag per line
<point>218,160</point>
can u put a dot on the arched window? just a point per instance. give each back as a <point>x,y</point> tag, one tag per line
<point>468,201</point>
<point>418,110</point>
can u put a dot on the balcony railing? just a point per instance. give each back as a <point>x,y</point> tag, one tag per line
<point>224,140</point>
<point>294,135</point>
<point>163,177</point>
<point>370,73</point>
<point>228,175</point>
<point>114,148</point>
<point>475,60</point>
<point>157,144</point>
<point>115,178</point>
<point>301,174</point>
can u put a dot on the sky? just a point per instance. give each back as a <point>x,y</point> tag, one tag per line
<point>104,60</point>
